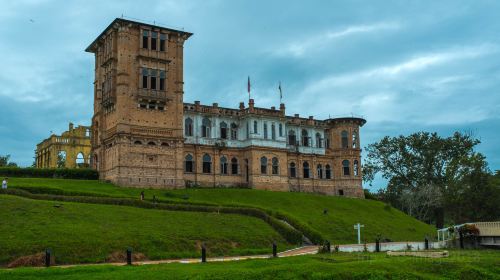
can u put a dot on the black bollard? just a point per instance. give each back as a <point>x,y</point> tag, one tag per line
<point>275,250</point>
<point>129,256</point>
<point>426,243</point>
<point>377,245</point>
<point>203,254</point>
<point>47,257</point>
<point>328,247</point>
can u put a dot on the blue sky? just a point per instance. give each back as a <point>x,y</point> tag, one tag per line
<point>405,66</point>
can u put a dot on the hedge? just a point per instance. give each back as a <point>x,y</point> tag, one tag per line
<point>62,173</point>
<point>290,234</point>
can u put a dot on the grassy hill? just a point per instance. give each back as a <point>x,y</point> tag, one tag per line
<point>80,232</point>
<point>460,265</point>
<point>304,209</point>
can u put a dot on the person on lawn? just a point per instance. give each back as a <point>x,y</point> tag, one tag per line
<point>4,184</point>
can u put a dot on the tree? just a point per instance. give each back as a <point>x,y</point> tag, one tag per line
<point>4,161</point>
<point>429,175</point>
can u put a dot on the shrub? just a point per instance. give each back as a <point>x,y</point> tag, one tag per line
<point>62,173</point>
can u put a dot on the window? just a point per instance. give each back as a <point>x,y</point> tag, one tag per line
<point>152,105</point>
<point>280,128</point>
<point>248,130</point>
<point>154,38</point>
<point>163,39</point>
<point>265,130</point>
<point>356,168</point>
<point>207,164</point>
<point>188,163</point>
<point>345,168</point>
<point>223,165</point>
<point>188,127</point>
<point>328,172</point>
<point>152,73</point>
<point>354,139</point>
<point>137,142</point>
<point>151,143</point>
<point>223,130</point>
<point>318,140</point>
<point>305,166</point>
<point>305,138</point>
<point>319,170</point>
<point>345,143</point>
<point>234,131</point>
<point>263,165</point>
<point>162,80</point>
<point>327,144</point>
<point>341,192</point>
<point>234,166</point>
<point>205,127</point>
<point>275,166</point>
<point>293,170</point>
<point>291,138</point>
<point>144,75</point>
<point>145,35</point>
<point>273,132</point>
<point>254,126</point>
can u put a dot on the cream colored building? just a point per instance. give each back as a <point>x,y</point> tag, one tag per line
<point>145,135</point>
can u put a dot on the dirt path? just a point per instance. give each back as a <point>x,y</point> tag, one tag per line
<point>305,250</point>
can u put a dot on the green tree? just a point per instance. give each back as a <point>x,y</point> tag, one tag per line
<point>5,161</point>
<point>430,176</point>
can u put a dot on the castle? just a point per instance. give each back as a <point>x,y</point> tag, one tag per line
<point>143,134</point>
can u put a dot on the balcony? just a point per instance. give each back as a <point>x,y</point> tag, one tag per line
<point>150,94</point>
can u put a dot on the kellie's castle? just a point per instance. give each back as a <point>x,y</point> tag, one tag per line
<point>143,134</point>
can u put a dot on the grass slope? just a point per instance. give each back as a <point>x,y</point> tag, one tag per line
<point>79,232</point>
<point>337,225</point>
<point>460,265</point>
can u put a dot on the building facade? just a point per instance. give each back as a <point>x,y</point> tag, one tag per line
<point>143,134</point>
<point>71,149</point>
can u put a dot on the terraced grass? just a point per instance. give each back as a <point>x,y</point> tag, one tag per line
<point>460,265</point>
<point>81,232</point>
<point>336,225</point>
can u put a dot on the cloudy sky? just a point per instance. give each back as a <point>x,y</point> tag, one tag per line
<point>405,66</point>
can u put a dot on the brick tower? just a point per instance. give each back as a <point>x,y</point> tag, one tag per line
<point>137,126</point>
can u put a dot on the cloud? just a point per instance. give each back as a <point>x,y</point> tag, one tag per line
<point>305,45</point>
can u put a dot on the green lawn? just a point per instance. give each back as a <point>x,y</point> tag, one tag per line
<point>80,232</point>
<point>337,225</point>
<point>472,265</point>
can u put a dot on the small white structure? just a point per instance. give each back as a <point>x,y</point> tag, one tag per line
<point>358,226</point>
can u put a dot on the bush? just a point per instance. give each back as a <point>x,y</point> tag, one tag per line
<point>62,173</point>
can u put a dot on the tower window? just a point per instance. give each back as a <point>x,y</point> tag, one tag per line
<point>205,127</point>
<point>163,39</point>
<point>223,130</point>
<point>345,168</point>
<point>345,141</point>
<point>354,139</point>
<point>291,138</point>
<point>145,37</point>
<point>154,38</point>
<point>234,131</point>
<point>305,138</point>
<point>162,80</point>
<point>144,78</point>
<point>356,168</point>
<point>153,78</point>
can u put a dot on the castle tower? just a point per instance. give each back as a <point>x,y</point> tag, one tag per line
<point>137,126</point>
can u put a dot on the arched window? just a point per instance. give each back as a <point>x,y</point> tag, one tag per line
<point>265,130</point>
<point>137,142</point>
<point>234,166</point>
<point>223,165</point>
<point>61,159</point>
<point>327,142</point>
<point>188,163</point>
<point>292,140</point>
<point>345,168</point>
<point>356,168</point>
<point>318,140</point>
<point>280,128</point>
<point>205,127</point>
<point>151,143</point>
<point>188,127</point>
<point>234,131</point>
<point>273,131</point>
<point>305,167</point>
<point>354,139</point>
<point>305,138</point>
<point>80,160</point>
<point>319,170</point>
<point>275,166</point>
<point>164,144</point>
<point>263,165</point>
<point>207,164</point>
<point>254,126</point>
<point>345,141</point>
<point>223,130</point>
<point>328,172</point>
<point>293,170</point>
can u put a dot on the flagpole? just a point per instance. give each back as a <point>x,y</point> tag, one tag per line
<point>281,94</point>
